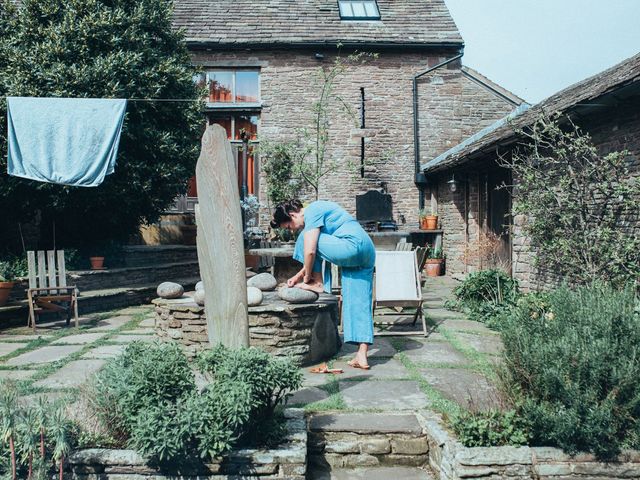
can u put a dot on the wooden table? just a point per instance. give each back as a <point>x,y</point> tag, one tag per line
<point>284,266</point>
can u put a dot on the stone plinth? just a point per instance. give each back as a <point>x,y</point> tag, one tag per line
<point>306,332</point>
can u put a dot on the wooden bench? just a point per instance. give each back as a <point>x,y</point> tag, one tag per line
<point>48,286</point>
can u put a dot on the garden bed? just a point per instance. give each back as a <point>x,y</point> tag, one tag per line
<point>451,460</point>
<point>286,461</point>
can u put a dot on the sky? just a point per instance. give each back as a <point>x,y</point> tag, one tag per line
<point>535,48</point>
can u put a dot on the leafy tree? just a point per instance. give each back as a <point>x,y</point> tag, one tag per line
<point>102,49</point>
<point>578,204</point>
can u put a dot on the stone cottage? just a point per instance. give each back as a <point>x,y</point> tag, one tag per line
<point>462,181</point>
<point>261,62</point>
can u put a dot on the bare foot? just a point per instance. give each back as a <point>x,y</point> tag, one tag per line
<point>359,361</point>
<point>314,287</point>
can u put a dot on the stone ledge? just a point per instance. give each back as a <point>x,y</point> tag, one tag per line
<point>449,459</point>
<point>286,461</point>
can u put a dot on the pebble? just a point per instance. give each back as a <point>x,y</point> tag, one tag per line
<point>170,290</point>
<point>254,296</point>
<point>199,286</point>
<point>297,295</point>
<point>263,281</point>
<point>198,297</point>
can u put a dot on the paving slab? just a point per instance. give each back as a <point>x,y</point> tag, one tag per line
<point>381,348</point>
<point>460,324</point>
<point>105,351</point>
<point>111,323</point>
<point>7,348</point>
<point>131,338</point>
<point>148,322</point>
<point>377,473</point>
<point>16,374</point>
<point>22,338</point>
<point>71,375</point>
<point>307,395</point>
<point>80,339</point>
<point>380,368</point>
<point>315,379</point>
<point>365,423</point>
<point>392,395</point>
<point>489,344</point>
<point>45,354</point>
<point>433,352</point>
<point>131,310</point>
<point>139,331</point>
<point>60,323</point>
<point>467,388</point>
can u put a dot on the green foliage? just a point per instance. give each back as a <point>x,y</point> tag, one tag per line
<point>435,253</point>
<point>578,204</point>
<point>13,267</point>
<point>486,295</point>
<point>278,164</point>
<point>575,365</point>
<point>102,49</point>
<point>147,399</point>
<point>493,428</point>
<point>270,380</point>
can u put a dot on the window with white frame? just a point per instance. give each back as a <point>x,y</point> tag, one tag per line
<point>227,86</point>
<point>359,10</point>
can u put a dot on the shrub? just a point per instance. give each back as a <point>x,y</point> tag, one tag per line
<point>487,295</point>
<point>270,380</point>
<point>492,428</point>
<point>576,366</point>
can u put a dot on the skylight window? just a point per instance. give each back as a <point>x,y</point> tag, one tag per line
<point>359,10</point>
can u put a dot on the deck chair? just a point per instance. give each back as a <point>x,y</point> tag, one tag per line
<point>48,286</point>
<point>421,255</point>
<point>404,246</point>
<point>397,284</point>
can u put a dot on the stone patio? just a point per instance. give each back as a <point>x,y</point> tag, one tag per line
<point>407,372</point>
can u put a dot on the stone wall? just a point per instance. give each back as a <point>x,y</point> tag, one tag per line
<point>288,461</point>
<point>450,460</point>
<point>306,332</point>
<point>451,107</point>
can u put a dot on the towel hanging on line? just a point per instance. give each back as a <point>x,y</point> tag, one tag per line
<point>68,141</point>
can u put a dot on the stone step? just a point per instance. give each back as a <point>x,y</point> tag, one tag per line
<point>377,473</point>
<point>97,300</point>
<point>146,255</point>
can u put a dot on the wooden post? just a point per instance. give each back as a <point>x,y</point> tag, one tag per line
<point>220,241</point>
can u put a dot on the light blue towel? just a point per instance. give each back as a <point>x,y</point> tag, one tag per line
<point>70,141</point>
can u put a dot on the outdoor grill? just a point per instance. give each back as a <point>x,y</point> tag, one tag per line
<point>374,211</point>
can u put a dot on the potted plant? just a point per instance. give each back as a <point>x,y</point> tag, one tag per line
<point>433,265</point>
<point>422,218</point>
<point>431,220</point>
<point>10,270</point>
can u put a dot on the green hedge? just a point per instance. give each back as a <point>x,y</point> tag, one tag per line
<point>574,358</point>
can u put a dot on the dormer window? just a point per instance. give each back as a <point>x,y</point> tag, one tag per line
<point>359,10</point>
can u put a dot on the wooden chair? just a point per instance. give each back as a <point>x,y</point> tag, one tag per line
<point>421,255</point>
<point>404,246</point>
<point>397,284</point>
<point>268,261</point>
<point>48,286</point>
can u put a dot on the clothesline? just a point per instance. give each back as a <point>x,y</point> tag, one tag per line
<point>128,99</point>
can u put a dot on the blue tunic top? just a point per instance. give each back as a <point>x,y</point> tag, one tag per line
<point>327,216</point>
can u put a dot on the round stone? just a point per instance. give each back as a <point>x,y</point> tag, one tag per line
<point>170,290</point>
<point>263,281</point>
<point>199,286</point>
<point>198,297</point>
<point>254,296</point>
<point>297,295</point>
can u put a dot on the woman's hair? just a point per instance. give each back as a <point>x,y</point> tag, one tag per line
<point>283,210</point>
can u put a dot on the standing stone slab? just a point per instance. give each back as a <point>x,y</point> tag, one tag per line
<point>220,241</point>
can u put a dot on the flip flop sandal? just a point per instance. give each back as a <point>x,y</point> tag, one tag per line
<point>323,368</point>
<point>362,367</point>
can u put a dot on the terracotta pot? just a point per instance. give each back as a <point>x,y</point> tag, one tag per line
<point>97,263</point>
<point>5,290</point>
<point>251,261</point>
<point>423,223</point>
<point>433,267</point>
<point>431,222</point>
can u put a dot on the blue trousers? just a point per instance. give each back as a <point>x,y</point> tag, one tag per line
<point>350,248</point>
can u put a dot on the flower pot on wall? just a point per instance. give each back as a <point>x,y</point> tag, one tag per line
<point>431,222</point>
<point>433,267</point>
<point>97,263</point>
<point>5,291</point>
<point>423,223</point>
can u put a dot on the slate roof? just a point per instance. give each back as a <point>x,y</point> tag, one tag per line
<point>268,23</point>
<point>580,95</point>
